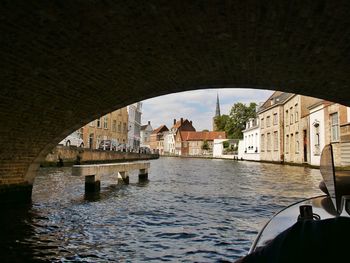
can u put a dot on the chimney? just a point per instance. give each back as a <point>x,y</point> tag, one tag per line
<point>182,120</point>
<point>149,122</point>
<point>174,121</point>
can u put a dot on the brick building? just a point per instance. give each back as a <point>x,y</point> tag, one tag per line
<point>172,146</point>
<point>156,142</point>
<point>192,142</point>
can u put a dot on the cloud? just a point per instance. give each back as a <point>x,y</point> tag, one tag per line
<point>198,106</point>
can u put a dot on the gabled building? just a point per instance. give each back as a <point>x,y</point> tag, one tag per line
<point>329,123</point>
<point>249,146</point>
<point>271,114</point>
<point>197,143</point>
<point>173,147</point>
<point>296,128</point>
<point>182,125</point>
<point>145,134</point>
<point>157,139</point>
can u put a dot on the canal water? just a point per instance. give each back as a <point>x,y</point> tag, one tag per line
<point>191,210</point>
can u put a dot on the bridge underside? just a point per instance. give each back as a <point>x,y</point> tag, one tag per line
<point>64,63</point>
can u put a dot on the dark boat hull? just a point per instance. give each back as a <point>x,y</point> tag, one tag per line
<point>321,206</point>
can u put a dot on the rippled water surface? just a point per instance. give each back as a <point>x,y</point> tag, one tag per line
<point>191,210</point>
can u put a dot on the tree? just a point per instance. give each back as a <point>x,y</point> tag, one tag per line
<point>220,122</point>
<point>205,145</point>
<point>239,115</point>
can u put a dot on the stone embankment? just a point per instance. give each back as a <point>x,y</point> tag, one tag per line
<point>66,156</point>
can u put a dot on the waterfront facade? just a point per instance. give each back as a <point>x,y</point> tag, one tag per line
<point>169,142</point>
<point>145,134</point>
<point>296,129</point>
<point>197,143</point>
<point>112,126</point>
<point>317,131</point>
<point>178,126</point>
<point>329,123</point>
<point>271,127</point>
<point>157,139</point>
<point>335,118</point>
<point>250,145</point>
<point>134,125</point>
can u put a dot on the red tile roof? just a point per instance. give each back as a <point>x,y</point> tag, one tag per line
<point>201,136</point>
<point>162,128</point>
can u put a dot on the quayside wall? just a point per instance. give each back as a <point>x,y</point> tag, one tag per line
<point>66,156</point>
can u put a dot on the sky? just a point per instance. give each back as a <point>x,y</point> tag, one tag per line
<point>198,106</point>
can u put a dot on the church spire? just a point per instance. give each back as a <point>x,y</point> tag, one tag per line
<point>217,112</point>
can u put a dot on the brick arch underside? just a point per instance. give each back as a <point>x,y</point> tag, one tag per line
<point>64,63</point>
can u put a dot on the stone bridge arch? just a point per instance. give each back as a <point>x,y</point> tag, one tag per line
<point>64,63</point>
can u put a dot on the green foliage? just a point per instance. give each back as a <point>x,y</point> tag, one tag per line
<point>221,121</point>
<point>205,145</point>
<point>234,123</point>
<point>226,144</point>
<point>239,115</point>
<point>205,130</point>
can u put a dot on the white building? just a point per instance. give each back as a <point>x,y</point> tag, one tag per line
<point>317,132</point>
<point>218,147</point>
<point>249,147</point>
<point>169,142</point>
<point>145,133</point>
<point>134,125</point>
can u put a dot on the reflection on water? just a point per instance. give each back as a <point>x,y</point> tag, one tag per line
<point>190,210</point>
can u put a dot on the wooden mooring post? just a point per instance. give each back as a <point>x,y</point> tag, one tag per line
<point>94,172</point>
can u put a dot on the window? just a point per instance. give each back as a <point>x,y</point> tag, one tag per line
<point>262,142</point>
<point>291,115</point>
<point>262,123</point>
<point>291,143</point>
<point>296,117</point>
<point>99,139</point>
<point>317,134</point>
<point>287,117</point>
<point>268,122</point>
<point>275,141</point>
<point>119,127</point>
<point>91,140</point>
<point>287,143</point>
<point>124,127</point>
<point>275,119</point>
<point>268,142</point>
<point>334,127</point>
<point>105,122</point>
<point>99,123</point>
<point>297,145</point>
<point>114,126</point>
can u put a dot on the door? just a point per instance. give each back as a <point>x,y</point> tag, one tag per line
<point>91,140</point>
<point>305,146</point>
